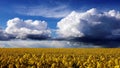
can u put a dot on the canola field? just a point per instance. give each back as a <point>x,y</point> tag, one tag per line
<point>59,58</point>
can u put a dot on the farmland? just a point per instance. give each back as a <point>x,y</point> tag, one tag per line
<point>59,58</point>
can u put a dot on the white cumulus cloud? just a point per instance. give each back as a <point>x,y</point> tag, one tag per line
<point>21,28</point>
<point>91,23</point>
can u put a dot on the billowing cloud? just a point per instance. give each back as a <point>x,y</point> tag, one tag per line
<point>50,12</point>
<point>3,35</point>
<point>27,28</point>
<point>91,23</point>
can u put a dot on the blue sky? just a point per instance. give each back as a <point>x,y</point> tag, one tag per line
<point>50,11</point>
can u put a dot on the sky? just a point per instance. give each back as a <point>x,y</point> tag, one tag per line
<point>66,19</point>
<point>50,11</point>
<point>60,23</point>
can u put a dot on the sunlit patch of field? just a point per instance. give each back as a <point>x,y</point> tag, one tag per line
<point>59,58</point>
